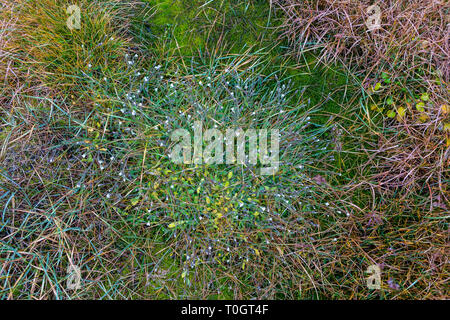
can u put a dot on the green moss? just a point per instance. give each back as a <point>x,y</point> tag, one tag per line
<point>167,11</point>
<point>192,26</point>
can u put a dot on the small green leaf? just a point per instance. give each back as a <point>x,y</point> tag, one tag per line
<point>175,224</point>
<point>401,112</point>
<point>377,108</point>
<point>390,101</point>
<point>425,97</point>
<point>377,86</point>
<point>420,107</point>
<point>386,78</point>
<point>447,127</point>
<point>391,114</point>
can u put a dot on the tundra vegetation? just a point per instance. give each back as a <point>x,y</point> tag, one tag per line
<point>87,182</point>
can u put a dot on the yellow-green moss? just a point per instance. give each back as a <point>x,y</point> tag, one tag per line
<point>193,26</point>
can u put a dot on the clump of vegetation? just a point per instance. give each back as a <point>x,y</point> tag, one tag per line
<point>87,179</point>
<point>402,117</point>
<point>60,56</point>
<point>411,34</point>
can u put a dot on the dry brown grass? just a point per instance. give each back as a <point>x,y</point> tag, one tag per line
<point>412,47</point>
<point>413,33</point>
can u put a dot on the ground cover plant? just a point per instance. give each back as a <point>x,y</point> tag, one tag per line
<point>90,193</point>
